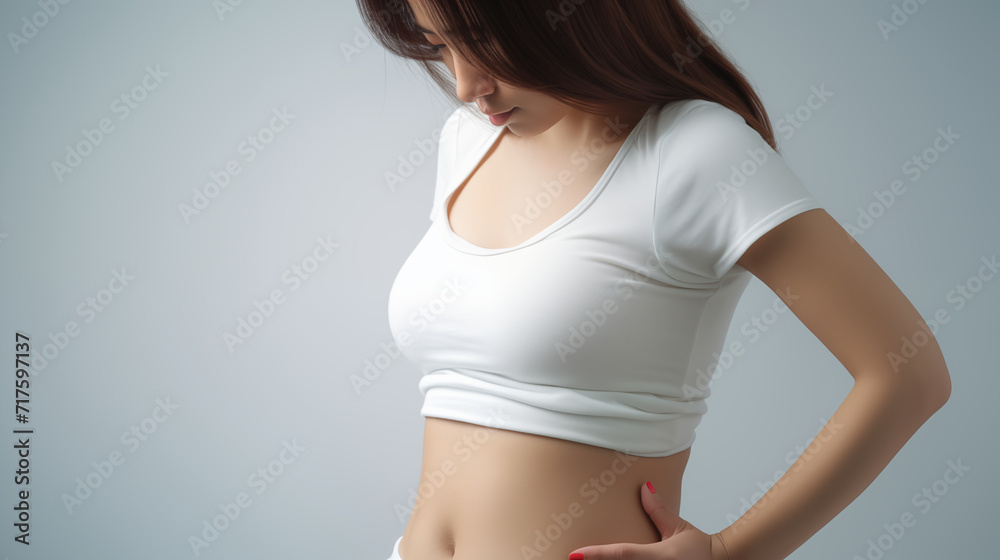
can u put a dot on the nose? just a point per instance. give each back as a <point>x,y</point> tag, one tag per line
<point>470,82</point>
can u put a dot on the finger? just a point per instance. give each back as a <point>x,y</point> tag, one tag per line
<point>665,517</point>
<point>619,551</point>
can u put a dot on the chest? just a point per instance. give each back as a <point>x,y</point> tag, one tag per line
<point>516,191</point>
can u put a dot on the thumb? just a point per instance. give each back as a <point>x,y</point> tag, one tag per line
<point>665,517</point>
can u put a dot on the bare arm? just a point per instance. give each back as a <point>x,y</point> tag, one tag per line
<point>862,317</point>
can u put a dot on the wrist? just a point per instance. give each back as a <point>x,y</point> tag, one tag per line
<point>719,551</point>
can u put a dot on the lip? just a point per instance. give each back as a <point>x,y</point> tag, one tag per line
<point>500,119</point>
<point>498,113</point>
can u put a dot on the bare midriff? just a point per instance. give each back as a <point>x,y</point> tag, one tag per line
<point>494,494</point>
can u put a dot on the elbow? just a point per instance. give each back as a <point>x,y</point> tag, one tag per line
<point>923,379</point>
<point>918,390</point>
<point>915,393</point>
<point>934,376</point>
<point>927,391</point>
<point>937,390</point>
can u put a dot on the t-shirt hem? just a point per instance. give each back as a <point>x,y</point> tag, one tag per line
<point>773,219</point>
<point>488,410</point>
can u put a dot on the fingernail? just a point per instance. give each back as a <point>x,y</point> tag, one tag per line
<point>650,486</point>
<point>576,556</point>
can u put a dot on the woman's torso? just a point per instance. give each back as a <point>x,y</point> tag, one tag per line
<point>493,494</point>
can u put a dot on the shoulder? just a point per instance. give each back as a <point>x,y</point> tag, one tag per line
<point>449,128</point>
<point>452,120</point>
<point>693,129</point>
<point>461,135</point>
<point>719,186</point>
<point>457,133</point>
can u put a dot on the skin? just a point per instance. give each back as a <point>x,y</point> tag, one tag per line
<point>844,298</point>
<point>541,122</point>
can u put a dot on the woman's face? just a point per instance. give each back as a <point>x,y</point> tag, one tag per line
<point>536,112</point>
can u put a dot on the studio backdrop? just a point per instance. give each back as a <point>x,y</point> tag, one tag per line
<point>203,206</point>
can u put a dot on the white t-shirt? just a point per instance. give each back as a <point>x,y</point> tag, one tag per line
<point>601,328</point>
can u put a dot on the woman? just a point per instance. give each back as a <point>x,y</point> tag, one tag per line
<point>586,253</point>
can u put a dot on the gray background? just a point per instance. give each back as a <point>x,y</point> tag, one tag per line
<point>357,112</point>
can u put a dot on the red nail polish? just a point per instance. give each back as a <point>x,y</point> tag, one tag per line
<point>650,486</point>
<point>576,556</point>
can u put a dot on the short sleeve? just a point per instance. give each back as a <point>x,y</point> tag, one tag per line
<point>719,187</point>
<point>447,149</point>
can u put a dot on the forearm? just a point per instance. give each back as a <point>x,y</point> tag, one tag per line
<point>876,419</point>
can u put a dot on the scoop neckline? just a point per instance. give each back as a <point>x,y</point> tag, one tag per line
<point>466,246</point>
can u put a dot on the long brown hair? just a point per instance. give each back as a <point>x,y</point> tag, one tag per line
<point>584,53</point>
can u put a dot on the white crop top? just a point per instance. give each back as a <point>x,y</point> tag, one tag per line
<point>596,329</point>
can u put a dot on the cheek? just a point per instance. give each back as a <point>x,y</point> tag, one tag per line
<point>447,60</point>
